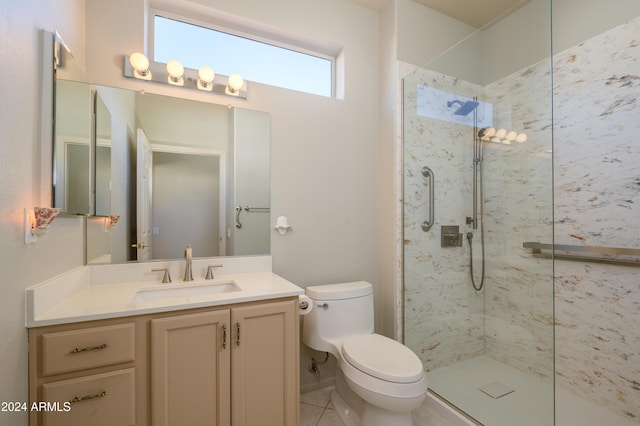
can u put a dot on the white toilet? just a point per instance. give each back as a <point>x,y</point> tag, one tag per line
<point>379,381</point>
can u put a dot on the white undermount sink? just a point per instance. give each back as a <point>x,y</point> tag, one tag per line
<point>181,290</point>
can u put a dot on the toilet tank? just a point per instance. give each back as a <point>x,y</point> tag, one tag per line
<point>339,311</point>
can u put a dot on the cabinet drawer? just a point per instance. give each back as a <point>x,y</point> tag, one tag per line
<point>87,348</point>
<point>106,399</point>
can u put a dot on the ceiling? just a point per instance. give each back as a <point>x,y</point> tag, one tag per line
<point>472,12</point>
<point>476,13</point>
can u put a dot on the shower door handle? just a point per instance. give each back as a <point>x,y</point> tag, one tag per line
<point>427,224</point>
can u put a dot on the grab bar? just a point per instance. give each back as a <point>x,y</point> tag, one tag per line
<point>611,255</point>
<point>427,224</point>
<point>238,211</point>
<point>250,210</point>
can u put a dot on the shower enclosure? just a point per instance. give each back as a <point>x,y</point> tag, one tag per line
<point>478,307</point>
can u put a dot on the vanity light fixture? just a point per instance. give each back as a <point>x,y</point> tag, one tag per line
<point>140,65</point>
<point>234,84</point>
<point>502,136</point>
<point>205,78</point>
<point>174,73</point>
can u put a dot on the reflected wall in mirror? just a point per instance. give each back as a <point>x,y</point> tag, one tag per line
<point>73,133</point>
<point>178,169</point>
<point>102,176</point>
<point>72,147</point>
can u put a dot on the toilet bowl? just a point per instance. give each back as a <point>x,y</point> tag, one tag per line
<point>384,379</point>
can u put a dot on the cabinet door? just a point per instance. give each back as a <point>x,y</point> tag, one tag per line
<point>190,376</point>
<point>264,365</point>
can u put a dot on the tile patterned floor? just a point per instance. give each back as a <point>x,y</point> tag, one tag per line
<point>316,410</point>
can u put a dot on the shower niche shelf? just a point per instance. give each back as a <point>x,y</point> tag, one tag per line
<point>611,255</point>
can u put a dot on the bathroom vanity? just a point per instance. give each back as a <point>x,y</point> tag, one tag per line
<point>202,359</point>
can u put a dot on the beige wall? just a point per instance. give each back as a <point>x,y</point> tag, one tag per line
<point>323,150</point>
<point>21,24</point>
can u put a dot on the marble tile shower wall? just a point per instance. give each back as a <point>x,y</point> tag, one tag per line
<point>597,203</point>
<point>446,321</point>
<point>444,317</point>
<point>596,197</point>
<point>519,208</point>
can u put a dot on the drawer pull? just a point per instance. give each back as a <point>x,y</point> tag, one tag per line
<point>88,349</point>
<point>88,397</point>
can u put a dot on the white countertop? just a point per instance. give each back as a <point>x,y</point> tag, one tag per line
<point>83,301</point>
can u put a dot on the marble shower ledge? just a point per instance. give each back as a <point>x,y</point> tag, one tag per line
<point>611,255</point>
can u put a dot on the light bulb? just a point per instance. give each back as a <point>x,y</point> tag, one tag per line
<point>205,78</point>
<point>485,134</point>
<point>234,84</point>
<point>175,71</point>
<point>522,137</point>
<point>511,136</point>
<point>501,133</point>
<point>140,65</point>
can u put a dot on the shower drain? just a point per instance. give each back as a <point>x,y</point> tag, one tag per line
<point>496,390</point>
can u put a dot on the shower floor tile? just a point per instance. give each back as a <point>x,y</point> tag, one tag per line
<point>530,402</point>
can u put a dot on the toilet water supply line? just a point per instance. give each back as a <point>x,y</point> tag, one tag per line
<point>313,365</point>
<point>478,187</point>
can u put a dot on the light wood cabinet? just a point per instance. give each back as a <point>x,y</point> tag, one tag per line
<point>107,399</point>
<point>264,364</point>
<point>228,365</point>
<point>88,373</point>
<point>190,374</point>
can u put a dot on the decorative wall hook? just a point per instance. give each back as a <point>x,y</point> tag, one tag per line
<point>37,222</point>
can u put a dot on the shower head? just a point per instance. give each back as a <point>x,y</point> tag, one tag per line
<point>465,107</point>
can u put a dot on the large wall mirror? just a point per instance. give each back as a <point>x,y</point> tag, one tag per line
<point>161,172</point>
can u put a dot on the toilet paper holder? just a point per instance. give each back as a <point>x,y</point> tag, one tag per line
<point>305,305</point>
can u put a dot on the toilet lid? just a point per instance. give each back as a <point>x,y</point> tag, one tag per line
<point>383,358</point>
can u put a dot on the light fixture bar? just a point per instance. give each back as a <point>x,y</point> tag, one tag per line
<point>160,75</point>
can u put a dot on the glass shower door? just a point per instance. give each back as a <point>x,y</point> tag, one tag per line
<point>478,307</point>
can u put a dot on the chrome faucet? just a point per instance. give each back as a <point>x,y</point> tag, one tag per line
<point>188,273</point>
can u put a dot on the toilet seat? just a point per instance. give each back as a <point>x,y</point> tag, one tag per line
<point>382,358</point>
